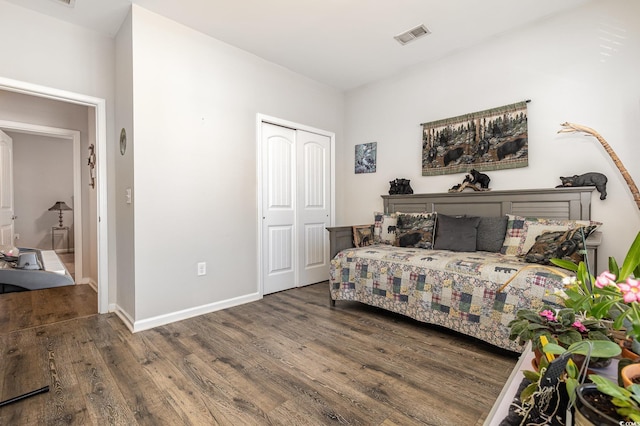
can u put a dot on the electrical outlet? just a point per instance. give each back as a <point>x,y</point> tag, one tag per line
<point>202,268</point>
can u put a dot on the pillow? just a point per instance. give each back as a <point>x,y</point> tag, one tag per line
<point>416,229</point>
<point>567,245</point>
<point>522,231</point>
<point>456,233</point>
<point>384,228</point>
<point>491,231</point>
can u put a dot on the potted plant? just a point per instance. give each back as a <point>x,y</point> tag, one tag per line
<point>613,295</point>
<point>559,326</point>
<point>619,405</point>
<point>553,388</point>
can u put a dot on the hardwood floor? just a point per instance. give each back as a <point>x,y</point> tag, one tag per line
<point>287,359</point>
<point>28,309</point>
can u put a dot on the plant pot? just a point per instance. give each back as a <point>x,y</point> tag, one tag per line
<point>625,345</point>
<point>629,373</point>
<point>594,408</point>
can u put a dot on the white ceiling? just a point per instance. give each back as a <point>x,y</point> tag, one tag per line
<point>342,43</point>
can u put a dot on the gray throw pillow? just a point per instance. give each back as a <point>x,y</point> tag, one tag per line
<point>491,232</point>
<point>456,233</point>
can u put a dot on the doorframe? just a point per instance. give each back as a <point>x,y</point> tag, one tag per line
<point>260,119</point>
<point>74,137</point>
<point>99,105</point>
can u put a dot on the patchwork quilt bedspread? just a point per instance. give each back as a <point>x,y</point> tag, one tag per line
<point>456,290</point>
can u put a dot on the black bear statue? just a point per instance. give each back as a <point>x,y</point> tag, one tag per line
<point>400,186</point>
<point>588,179</point>
<point>480,178</point>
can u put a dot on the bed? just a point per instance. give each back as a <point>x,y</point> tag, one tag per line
<point>476,293</point>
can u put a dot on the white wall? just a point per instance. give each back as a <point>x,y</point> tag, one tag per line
<point>194,137</point>
<point>124,173</point>
<point>43,174</point>
<point>581,66</point>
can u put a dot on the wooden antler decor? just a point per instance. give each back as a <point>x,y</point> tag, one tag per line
<point>571,127</point>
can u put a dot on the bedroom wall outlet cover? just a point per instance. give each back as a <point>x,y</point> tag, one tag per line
<point>202,268</point>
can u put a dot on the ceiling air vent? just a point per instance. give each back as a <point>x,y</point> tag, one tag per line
<point>69,3</point>
<point>412,34</point>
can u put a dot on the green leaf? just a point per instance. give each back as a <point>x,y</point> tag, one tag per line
<point>635,392</point>
<point>565,264</point>
<point>599,348</point>
<point>572,371</point>
<point>607,387</point>
<point>528,392</point>
<point>552,348</point>
<point>535,326</point>
<point>529,316</point>
<point>632,260</point>
<point>621,403</point>
<point>597,335</point>
<point>571,384</point>
<point>630,413</point>
<point>613,267</point>
<point>619,322</point>
<point>532,376</point>
<point>569,337</point>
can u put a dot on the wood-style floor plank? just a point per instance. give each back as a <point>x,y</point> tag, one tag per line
<point>287,359</point>
<point>33,308</point>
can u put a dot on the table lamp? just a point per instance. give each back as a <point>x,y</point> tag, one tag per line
<point>59,206</point>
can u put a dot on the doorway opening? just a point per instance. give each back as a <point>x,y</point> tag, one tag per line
<point>73,136</point>
<point>100,122</point>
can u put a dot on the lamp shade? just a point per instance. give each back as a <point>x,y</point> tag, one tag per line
<point>59,205</point>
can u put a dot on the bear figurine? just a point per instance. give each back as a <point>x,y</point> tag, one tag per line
<point>588,179</point>
<point>480,178</point>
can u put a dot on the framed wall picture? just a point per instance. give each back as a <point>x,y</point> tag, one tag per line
<point>362,235</point>
<point>366,157</point>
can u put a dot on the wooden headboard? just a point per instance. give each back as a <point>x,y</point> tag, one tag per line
<point>558,203</point>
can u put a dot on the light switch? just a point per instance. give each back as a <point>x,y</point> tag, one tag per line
<point>128,195</point>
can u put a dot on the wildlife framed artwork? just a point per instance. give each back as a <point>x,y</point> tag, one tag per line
<point>362,235</point>
<point>492,139</point>
<point>366,157</point>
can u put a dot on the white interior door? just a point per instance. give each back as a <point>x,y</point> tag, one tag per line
<point>313,207</point>
<point>296,173</point>
<point>6,189</point>
<point>278,207</point>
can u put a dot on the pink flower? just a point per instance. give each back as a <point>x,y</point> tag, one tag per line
<point>581,328</point>
<point>550,315</point>
<point>604,279</point>
<point>630,290</point>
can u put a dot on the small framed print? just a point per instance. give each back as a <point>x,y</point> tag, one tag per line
<point>363,235</point>
<point>366,157</point>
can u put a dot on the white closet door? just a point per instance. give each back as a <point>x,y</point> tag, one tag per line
<point>313,207</point>
<point>6,190</point>
<point>296,173</point>
<point>278,207</point>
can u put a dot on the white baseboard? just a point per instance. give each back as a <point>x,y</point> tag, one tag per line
<point>125,317</point>
<point>146,324</point>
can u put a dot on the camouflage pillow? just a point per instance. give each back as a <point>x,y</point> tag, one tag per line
<point>416,230</point>
<point>567,245</point>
